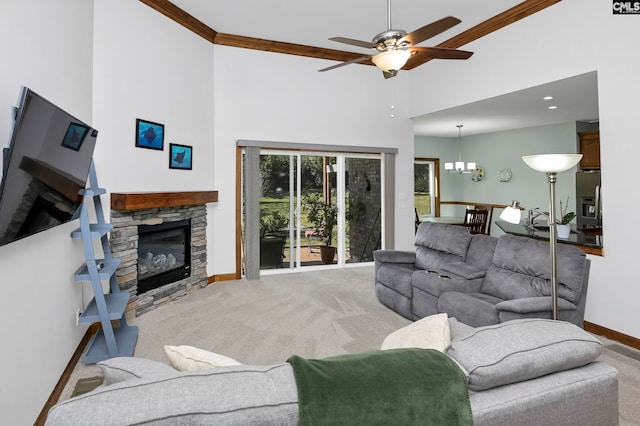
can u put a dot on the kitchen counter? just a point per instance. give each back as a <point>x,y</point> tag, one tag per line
<point>590,242</point>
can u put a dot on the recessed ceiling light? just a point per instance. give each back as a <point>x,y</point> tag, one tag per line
<point>553,107</point>
<point>548,98</point>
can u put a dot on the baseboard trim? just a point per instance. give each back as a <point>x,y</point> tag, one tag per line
<point>66,374</point>
<point>625,339</point>
<point>223,277</point>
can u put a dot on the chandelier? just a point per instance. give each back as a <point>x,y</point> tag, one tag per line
<point>458,166</point>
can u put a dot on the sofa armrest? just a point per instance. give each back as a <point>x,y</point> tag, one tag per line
<point>533,304</point>
<point>463,270</point>
<point>395,256</point>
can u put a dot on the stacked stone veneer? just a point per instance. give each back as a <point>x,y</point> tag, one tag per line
<point>124,245</point>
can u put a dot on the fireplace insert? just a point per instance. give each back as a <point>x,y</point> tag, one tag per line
<point>164,254</point>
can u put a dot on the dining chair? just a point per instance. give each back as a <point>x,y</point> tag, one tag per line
<point>476,220</point>
<point>489,208</point>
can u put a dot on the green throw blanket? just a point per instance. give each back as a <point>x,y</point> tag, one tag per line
<point>392,387</point>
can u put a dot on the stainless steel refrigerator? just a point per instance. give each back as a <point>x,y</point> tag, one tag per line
<point>588,200</point>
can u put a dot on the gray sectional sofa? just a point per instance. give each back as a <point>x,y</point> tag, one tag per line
<point>524,372</point>
<point>480,279</point>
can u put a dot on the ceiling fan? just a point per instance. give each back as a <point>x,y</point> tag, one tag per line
<point>395,47</point>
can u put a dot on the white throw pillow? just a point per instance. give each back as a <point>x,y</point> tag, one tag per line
<point>430,332</point>
<point>188,358</point>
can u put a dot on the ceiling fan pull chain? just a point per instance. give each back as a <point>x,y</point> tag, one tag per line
<point>393,108</point>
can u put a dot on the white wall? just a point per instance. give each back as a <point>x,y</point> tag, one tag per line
<point>570,38</point>
<point>273,97</point>
<point>46,46</point>
<point>149,67</point>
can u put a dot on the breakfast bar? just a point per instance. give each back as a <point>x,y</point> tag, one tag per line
<point>590,242</point>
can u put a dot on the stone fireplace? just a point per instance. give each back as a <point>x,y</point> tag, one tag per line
<point>164,254</point>
<point>161,241</point>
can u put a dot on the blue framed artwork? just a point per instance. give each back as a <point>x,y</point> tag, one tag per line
<point>149,134</point>
<point>74,136</point>
<point>180,156</point>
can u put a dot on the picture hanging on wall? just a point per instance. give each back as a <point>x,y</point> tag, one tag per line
<point>74,136</point>
<point>180,156</point>
<point>149,134</point>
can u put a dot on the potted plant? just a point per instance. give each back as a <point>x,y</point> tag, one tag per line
<point>563,223</point>
<point>272,238</point>
<point>272,223</point>
<point>324,217</point>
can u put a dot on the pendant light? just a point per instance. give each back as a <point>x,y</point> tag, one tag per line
<point>458,166</point>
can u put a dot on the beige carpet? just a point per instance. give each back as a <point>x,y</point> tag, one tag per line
<point>312,314</point>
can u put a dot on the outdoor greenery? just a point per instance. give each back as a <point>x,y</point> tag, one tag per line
<point>274,173</point>
<point>273,221</point>
<point>321,215</point>
<point>422,202</point>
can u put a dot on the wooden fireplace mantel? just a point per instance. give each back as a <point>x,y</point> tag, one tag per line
<point>152,200</point>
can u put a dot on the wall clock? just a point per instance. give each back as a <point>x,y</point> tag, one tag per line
<point>504,175</point>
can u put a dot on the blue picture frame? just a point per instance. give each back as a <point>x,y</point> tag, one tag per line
<point>149,135</point>
<point>180,157</point>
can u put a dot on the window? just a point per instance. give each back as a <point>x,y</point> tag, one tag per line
<point>426,186</point>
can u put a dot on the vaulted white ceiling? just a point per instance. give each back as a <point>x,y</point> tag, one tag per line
<point>312,23</point>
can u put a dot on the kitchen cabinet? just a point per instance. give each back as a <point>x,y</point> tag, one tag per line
<point>590,149</point>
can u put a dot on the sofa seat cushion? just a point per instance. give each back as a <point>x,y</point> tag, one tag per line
<point>474,309</point>
<point>396,277</point>
<point>463,270</point>
<point>439,281</point>
<point>520,350</point>
<point>222,396</point>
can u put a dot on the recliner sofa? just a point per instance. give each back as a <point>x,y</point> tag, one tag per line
<point>479,279</point>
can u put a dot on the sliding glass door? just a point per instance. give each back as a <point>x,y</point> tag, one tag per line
<point>363,201</point>
<point>318,209</point>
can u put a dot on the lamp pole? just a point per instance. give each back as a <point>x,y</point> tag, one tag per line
<point>553,243</point>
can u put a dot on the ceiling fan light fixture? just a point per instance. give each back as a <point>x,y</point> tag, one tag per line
<point>391,60</point>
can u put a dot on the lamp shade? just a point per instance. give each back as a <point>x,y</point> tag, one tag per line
<point>511,213</point>
<point>556,163</point>
<point>448,166</point>
<point>391,60</point>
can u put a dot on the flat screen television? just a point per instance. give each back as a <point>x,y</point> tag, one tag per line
<point>44,167</point>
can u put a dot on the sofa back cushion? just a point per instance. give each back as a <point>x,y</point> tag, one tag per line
<point>480,251</point>
<point>521,268</point>
<point>519,350</point>
<point>438,243</point>
<point>238,395</point>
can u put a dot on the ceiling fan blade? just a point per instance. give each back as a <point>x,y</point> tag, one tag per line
<point>439,53</point>
<point>353,42</point>
<point>431,30</point>
<point>353,61</point>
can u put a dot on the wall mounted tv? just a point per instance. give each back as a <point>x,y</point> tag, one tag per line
<point>46,164</point>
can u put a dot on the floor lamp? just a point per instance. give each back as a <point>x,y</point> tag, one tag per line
<point>551,164</point>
